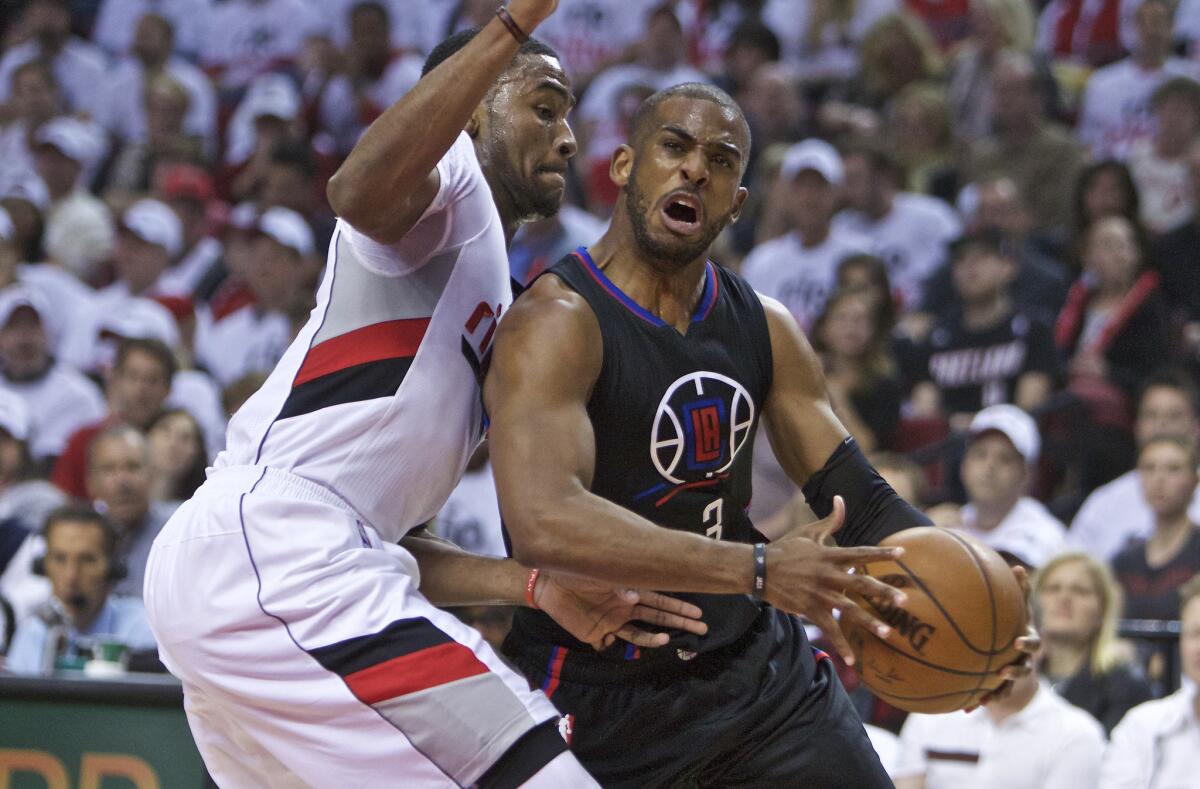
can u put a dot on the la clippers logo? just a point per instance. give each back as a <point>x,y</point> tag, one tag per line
<point>702,423</point>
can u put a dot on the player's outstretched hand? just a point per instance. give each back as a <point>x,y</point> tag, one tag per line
<point>531,13</point>
<point>1028,645</point>
<point>807,578</point>
<point>598,614</point>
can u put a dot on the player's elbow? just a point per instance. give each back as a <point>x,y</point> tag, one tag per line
<point>533,530</point>
<point>346,201</point>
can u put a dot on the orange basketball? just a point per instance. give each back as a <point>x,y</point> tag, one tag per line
<point>954,632</point>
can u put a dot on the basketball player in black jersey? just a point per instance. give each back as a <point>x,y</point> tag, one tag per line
<point>624,393</point>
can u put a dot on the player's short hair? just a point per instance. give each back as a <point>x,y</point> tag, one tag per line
<point>690,90</point>
<point>454,43</point>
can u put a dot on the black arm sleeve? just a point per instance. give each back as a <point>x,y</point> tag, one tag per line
<point>873,510</point>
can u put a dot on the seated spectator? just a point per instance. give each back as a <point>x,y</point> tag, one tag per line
<point>1087,32</point>
<point>919,122</point>
<point>254,337</point>
<point>118,482</point>
<point>150,237</point>
<point>35,99</point>
<point>178,456</point>
<point>1103,189</point>
<point>591,37</point>
<point>292,179</point>
<point>1115,109</point>
<point>117,24</point>
<point>249,38</point>
<point>1002,449</point>
<point>1159,163</point>
<point>166,107</point>
<point>25,497</point>
<point>83,565</point>
<point>1030,738</point>
<point>984,351</point>
<point>1116,513</point>
<point>994,26</point>
<point>798,268</point>
<point>79,226</point>
<point>189,191</point>
<point>751,45</point>
<point>909,232</point>
<point>1151,571</point>
<point>820,37</point>
<point>1076,603</point>
<point>1175,254</point>
<point>79,67</point>
<point>1158,743</point>
<point>1041,157</point>
<point>136,389</point>
<point>26,200</point>
<point>860,374</point>
<point>267,116</point>
<point>897,51</point>
<point>154,54</point>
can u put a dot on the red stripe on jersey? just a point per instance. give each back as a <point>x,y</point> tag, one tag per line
<point>387,340</point>
<point>419,670</point>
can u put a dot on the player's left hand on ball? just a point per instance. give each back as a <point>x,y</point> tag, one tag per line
<point>598,614</point>
<point>1028,645</point>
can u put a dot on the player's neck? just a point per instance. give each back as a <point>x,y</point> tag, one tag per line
<point>670,291</point>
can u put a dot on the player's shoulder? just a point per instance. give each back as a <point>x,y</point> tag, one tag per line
<point>553,309</point>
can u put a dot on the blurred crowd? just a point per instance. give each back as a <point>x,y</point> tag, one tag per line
<point>985,214</point>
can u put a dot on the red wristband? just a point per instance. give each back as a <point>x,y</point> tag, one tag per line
<point>530,586</point>
<point>510,23</point>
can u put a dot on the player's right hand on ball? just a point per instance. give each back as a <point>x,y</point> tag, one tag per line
<point>810,579</point>
<point>531,13</point>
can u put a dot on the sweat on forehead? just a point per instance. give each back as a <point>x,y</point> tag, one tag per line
<point>648,115</point>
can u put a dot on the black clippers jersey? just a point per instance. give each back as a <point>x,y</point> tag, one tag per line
<point>674,418</point>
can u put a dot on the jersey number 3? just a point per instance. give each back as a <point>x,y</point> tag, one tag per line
<point>714,517</point>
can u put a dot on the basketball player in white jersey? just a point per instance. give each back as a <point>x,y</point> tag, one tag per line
<point>306,639</point>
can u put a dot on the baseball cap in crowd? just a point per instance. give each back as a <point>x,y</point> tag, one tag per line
<point>288,228</point>
<point>139,319</point>
<point>31,188</point>
<point>14,297</point>
<point>72,138</point>
<point>816,155</point>
<point>186,182</point>
<point>272,95</point>
<point>14,416</point>
<point>1014,424</point>
<point>155,223</point>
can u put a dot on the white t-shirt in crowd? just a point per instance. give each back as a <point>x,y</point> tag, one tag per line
<point>117,23</point>
<point>59,403</point>
<point>588,34</point>
<point>248,340</point>
<point>80,68</point>
<point>1116,513</point>
<point>378,396</point>
<point>837,56</point>
<point>247,38</point>
<point>1155,746</point>
<point>1115,108</point>
<point>341,113</point>
<point>1164,188</point>
<point>1028,532</point>
<point>1048,745</point>
<point>182,278</point>
<point>126,110</point>
<point>801,277</point>
<point>470,518</point>
<point>911,240</point>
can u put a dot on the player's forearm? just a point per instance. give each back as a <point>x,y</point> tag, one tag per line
<point>400,149</point>
<point>451,576</point>
<point>584,534</point>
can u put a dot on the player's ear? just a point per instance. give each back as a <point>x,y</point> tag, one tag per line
<point>739,200</point>
<point>621,165</point>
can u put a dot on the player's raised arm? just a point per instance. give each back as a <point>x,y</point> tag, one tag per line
<point>547,357</point>
<point>389,178</point>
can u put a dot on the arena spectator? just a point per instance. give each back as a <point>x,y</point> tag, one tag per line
<point>59,400</point>
<point>984,351</point>
<point>1087,32</point>
<point>1076,604</point>
<point>167,141</point>
<point>896,51</point>
<point>136,389</point>
<point>1175,254</point>
<point>25,497</point>
<point>775,110</point>
<point>751,45</point>
<point>919,123</point>
<point>860,373</point>
<point>35,99</point>
<point>1041,157</point>
<point>1158,743</point>
<point>154,53</point>
<point>25,200</point>
<point>1002,448</point>
<point>117,24</point>
<point>821,37</point>
<point>178,456</point>
<point>1115,109</point>
<point>1159,164</point>
<point>79,226</point>
<point>189,191</point>
<point>266,117</point>
<point>539,245</point>
<point>798,267</point>
<point>292,180</point>
<point>1118,512</point>
<point>83,565</point>
<point>592,35</point>
<point>79,66</point>
<point>1151,571</point>
<point>1031,738</point>
<point>908,231</point>
<point>150,237</point>
<point>996,26</point>
<point>249,38</point>
<point>254,337</point>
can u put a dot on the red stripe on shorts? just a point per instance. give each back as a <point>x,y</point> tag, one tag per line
<point>427,668</point>
<point>386,340</point>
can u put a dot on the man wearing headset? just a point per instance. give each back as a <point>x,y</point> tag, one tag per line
<point>81,565</point>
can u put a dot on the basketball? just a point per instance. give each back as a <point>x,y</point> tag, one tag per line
<point>955,631</point>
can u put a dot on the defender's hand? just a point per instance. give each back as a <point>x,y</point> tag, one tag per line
<point>598,614</point>
<point>807,578</point>
<point>531,13</point>
<point>1028,645</point>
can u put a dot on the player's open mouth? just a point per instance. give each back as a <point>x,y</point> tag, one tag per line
<point>681,213</point>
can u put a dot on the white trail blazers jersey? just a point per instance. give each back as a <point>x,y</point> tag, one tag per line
<point>377,399</point>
